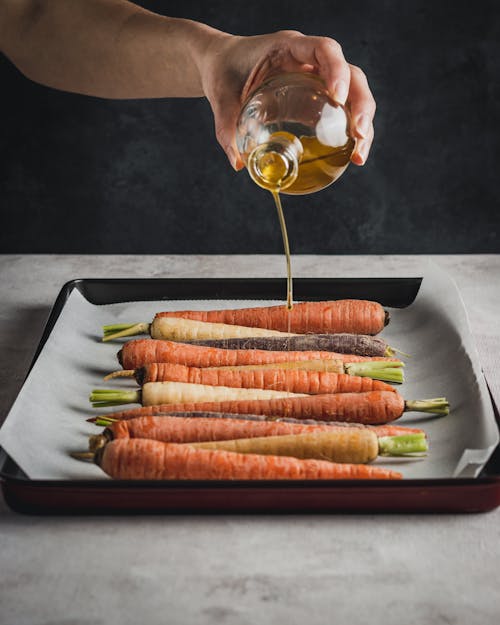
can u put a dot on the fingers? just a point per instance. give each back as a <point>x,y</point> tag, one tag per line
<point>362,149</point>
<point>226,116</point>
<point>345,82</point>
<point>362,107</point>
<point>326,55</point>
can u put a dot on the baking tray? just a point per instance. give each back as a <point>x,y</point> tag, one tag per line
<point>26,495</point>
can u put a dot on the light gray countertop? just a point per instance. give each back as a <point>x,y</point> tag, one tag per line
<point>353,569</point>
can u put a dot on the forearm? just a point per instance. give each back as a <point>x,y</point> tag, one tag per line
<point>105,48</point>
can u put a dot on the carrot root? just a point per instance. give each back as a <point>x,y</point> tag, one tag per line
<point>97,441</point>
<point>122,373</point>
<point>83,455</point>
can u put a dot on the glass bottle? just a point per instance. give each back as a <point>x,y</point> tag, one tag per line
<point>292,136</point>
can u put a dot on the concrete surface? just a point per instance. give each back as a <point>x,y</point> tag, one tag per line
<point>208,570</point>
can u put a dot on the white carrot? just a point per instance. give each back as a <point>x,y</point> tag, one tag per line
<point>154,393</point>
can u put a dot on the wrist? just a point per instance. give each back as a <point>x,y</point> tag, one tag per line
<point>205,44</point>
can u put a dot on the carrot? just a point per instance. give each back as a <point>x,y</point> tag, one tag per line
<point>386,370</point>
<point>330,317</point>
<point>156,372</point>
<point>373,408</point>
<point>142,459</point>
<point>154,393</point>
<point>140,352</point>
<point>360,344</point>
<point>180,329</point>
<point>380,430</point>
<point>341,445</point>
<point>294,380</point>
<point>192,430</point>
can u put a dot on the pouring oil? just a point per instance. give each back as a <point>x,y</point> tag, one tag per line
<point>295,140</point>
<point>286,246</point>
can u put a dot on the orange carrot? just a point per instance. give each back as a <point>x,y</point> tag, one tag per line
<point>380,430</point>
<point>294,380</point>
<point>384,371</point>
<point>350,315</point>
<point>373,408</point>
<point>197,429</point>
<point>140,352</point>
<point>143,459</point>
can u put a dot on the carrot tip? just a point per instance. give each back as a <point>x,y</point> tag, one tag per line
<point>83,455</point>
<point>122,373</point>
<point>96,442</point>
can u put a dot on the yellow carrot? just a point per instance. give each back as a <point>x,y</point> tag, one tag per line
<point>343,445</point>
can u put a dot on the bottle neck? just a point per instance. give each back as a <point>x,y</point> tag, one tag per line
<point>274,165</point>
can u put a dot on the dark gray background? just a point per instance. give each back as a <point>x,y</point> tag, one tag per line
<point>84,175</point>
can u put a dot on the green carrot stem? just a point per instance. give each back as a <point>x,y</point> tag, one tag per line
<point>403,445</point>
<point>377,364</point>
<point>437,405</point>
<point>398,351</point>
<point>119,330</point>
<point>366,369</point>
<point>106,397</point>
<point>116,327</point>
<point>102,421</point>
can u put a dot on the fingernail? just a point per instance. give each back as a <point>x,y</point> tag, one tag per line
<point>363,125</point>
<point>341,92</point>
<point>231,154</point>
<point>362,152</point>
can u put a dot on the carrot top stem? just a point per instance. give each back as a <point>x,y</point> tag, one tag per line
<point>102,421</point>
<point>404,445</point>
<point>119,330</point>
<point>395,350</point>
<point>385,371</point>
<point>101,398</point>
<point>437,405</point>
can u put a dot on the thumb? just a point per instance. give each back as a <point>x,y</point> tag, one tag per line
<point>225,117</point>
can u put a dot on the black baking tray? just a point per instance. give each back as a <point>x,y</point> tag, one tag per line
<point>26,495</point>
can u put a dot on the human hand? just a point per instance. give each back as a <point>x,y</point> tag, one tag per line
<point>234,66</point>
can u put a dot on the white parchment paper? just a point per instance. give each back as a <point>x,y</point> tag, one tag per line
<point>48,419</point>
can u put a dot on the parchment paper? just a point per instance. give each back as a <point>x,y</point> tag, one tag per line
<point>47,421</point>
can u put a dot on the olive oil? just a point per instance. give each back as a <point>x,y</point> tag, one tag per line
<point>319,165</point>
<point>313,165</point>
<point>284,234</point>
<point>294,139</point>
